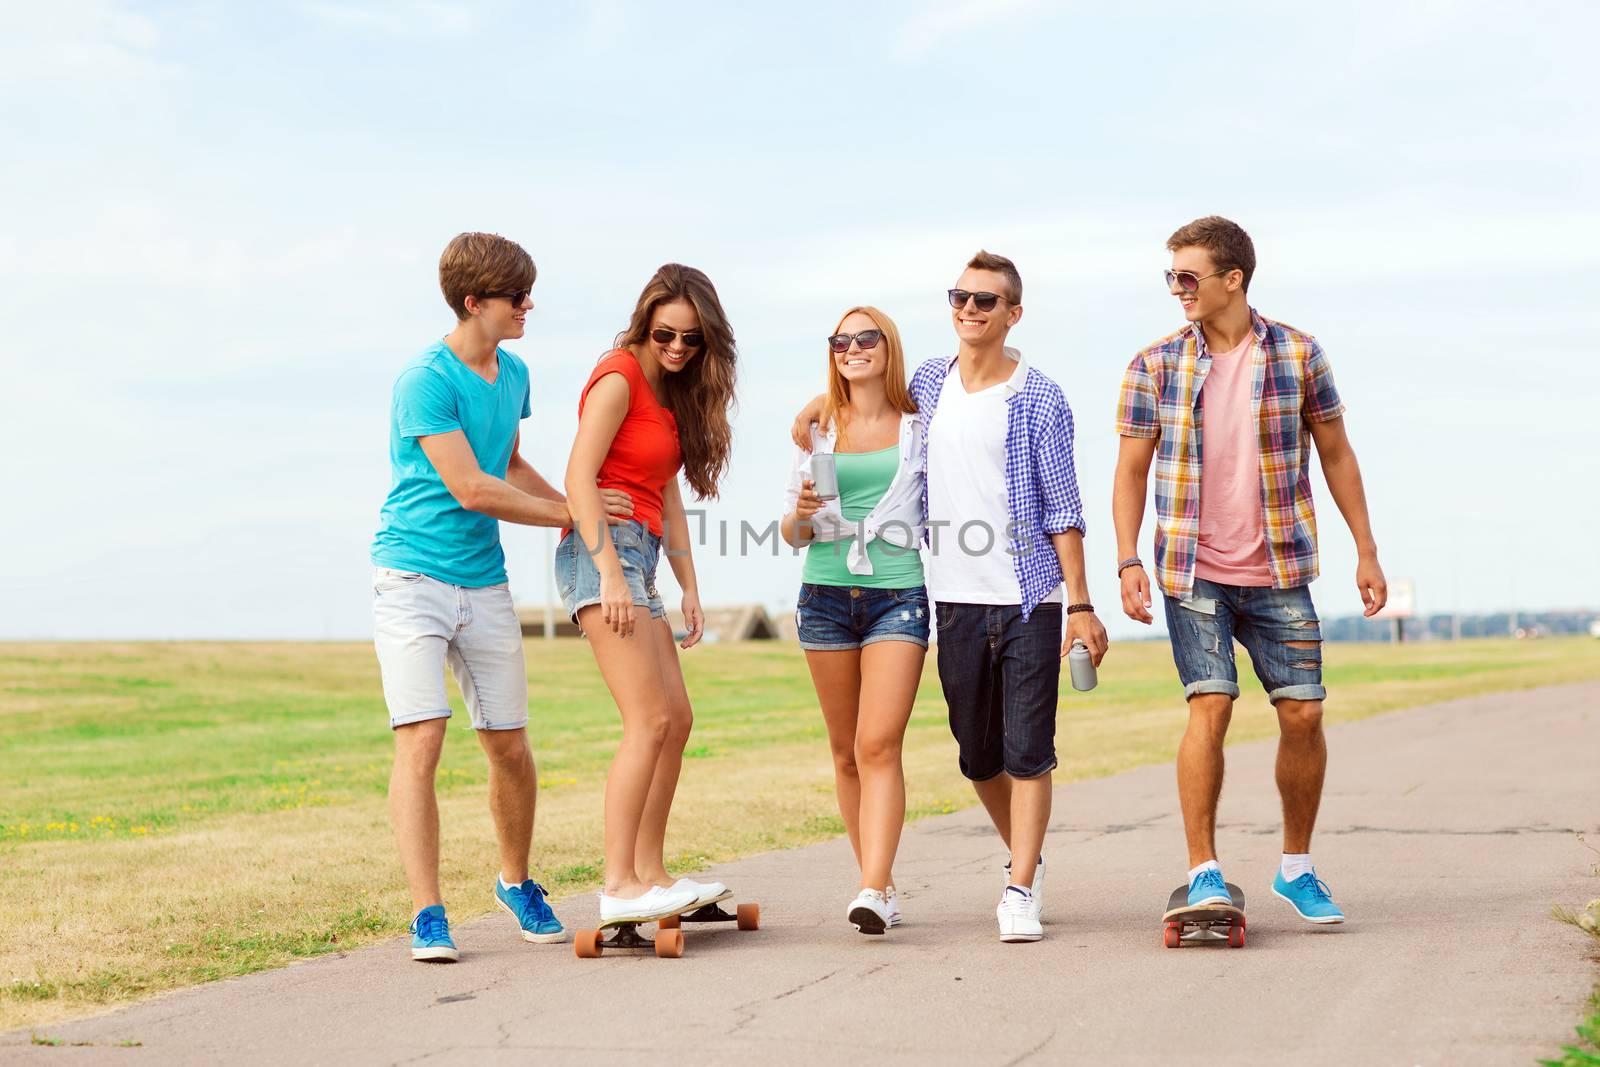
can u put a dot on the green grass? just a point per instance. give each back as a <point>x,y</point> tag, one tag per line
<point>223,804</point>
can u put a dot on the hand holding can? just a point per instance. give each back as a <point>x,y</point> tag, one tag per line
<point>825,475</point>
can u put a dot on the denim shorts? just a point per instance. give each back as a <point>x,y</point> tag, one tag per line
<point>833,618</point>
<point>420,624</point>
<point>578,579</point>
<point>1264,620</point>
<point>1001,677</point>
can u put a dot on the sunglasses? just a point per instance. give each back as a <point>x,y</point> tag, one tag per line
<point>867,339</point>
<point>1188,280</point>
<point>691,339</point>
<point>516,298</point>
<point>985,301</point>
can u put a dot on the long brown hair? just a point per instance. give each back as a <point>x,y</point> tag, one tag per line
<point>894,375</point>
<point>700,395</point>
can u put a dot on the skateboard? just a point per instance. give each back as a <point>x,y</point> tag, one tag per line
<point>668,942</point>
<point>1207,924</point>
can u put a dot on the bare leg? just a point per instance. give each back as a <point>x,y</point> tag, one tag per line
<point>1200,772</point>
<point>414,809</point>
<point>996,797</point>
<point>1030,817</point>
<point>1302,763</point>
<point>890,671</point>
<point>837,677</point>
<point>513,792</point>
<point>649,854</point>
<point>628,665</point>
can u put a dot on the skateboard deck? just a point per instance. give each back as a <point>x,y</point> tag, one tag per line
<point>1206,924</point>
<point>668,942</point>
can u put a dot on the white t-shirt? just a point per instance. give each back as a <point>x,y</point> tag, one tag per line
<point>968,561</point>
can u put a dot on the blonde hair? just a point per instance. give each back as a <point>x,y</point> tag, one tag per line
<point>894,375</point>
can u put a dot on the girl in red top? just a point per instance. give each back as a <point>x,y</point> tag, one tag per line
<point>656,404</point>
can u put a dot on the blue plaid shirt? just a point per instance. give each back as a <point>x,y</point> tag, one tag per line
<point>1041,477</point>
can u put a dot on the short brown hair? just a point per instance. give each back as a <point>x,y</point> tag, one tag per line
<point>476,264</point>
<point>1000,265</point>
<point>1230,247</point>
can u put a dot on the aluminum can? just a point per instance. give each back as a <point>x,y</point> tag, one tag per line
<point>1081,665</point>
<point>824,476</point>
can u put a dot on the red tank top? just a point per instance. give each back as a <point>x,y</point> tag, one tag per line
<point>644,455</point>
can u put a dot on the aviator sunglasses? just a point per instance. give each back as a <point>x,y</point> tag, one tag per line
<point>691,339</point>
<point>867,339</point>
<point>984,301</point>
<point>1188,280</point>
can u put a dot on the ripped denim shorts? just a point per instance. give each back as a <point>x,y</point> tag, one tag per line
<point>1269,623</point>
<point>835,618</point>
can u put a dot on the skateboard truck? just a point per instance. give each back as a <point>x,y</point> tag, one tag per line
<point>745,916</point>
<point>591,944</point>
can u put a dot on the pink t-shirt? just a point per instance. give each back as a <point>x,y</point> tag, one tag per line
<point>1233,542</point>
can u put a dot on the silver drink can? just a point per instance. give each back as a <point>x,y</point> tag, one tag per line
<point>1081,665</point>
<point>824,476</point>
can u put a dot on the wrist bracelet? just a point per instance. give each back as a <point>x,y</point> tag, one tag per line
<point>1073,609</point>
<point>1131,561</point>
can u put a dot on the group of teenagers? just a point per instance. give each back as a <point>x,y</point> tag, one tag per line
<point>949,506</point>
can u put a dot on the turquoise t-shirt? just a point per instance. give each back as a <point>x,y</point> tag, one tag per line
<point>863,479</point>
<point>421,527</point>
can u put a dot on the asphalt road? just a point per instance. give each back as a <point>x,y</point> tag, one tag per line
<point>1446,834</point>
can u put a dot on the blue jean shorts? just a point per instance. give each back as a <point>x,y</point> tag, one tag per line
<point>578,579</point>
<point>1264,620</point>
<point>836,618</point>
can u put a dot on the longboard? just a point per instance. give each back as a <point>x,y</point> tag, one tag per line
<point>1206,924</point>
<point>668,942</point>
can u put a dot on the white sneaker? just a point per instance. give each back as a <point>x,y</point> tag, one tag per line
<point>892,899</point>
<point>869,912</point>
<point>1018,915</point>
<point>704,892</point>
<point>1037,889</point>
<point>658,903</point>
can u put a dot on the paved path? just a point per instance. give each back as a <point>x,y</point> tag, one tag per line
<point>1446,833</point>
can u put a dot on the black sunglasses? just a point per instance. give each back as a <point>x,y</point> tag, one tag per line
<point>867,339</point>
<point>691,339</point>
<point>985,301</point>
<point>1189,281</point>
<point>516,298</point>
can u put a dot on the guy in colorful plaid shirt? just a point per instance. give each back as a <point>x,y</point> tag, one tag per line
<point>1005,530</point>
<point>1228,407</point>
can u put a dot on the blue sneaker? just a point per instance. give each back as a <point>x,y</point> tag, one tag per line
<point>1209,888</point>
<point>1309,896</point>
<point>527,905</point>
<point>430,936</point>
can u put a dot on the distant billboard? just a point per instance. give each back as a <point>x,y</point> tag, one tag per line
<point>1402,600</point>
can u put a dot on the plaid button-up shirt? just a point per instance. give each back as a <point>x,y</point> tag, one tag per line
<point>1041,477</point>
<point>1292,386</point>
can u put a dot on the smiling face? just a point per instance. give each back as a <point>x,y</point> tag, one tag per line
<point>1215,294</point>
<point>858,364</point>
<point>678,318</point>
<point>982,328</point>
<point>500,318</point>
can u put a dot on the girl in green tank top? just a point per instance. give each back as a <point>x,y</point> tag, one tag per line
<point>863,613</point>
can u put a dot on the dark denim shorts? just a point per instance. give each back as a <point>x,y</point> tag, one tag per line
<point>1001,677</point>
<point>834,618</point>
<point>1264,620</point>
<point>578,579</point>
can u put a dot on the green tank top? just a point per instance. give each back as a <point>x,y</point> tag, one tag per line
<point>863,479</point>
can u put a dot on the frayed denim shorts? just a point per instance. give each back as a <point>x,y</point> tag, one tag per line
<point>836,618</point>
<point>1264,620</point>
<point>578,579</point>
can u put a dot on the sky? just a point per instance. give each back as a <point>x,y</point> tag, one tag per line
<point>220,227</point>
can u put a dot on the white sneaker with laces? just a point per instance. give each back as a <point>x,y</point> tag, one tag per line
<point>892,899</point>
<point>1037,889</point>
<point>704,892</point>
<point>869,912</point>
<point>1018,915</point>
<point>655,904</point>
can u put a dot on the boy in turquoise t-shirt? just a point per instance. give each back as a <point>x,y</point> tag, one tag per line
<point>439,578</point>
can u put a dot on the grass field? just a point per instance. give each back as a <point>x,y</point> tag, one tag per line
<point>178,813</point>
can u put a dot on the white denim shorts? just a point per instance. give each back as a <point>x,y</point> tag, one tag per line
<point>421,623</point>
